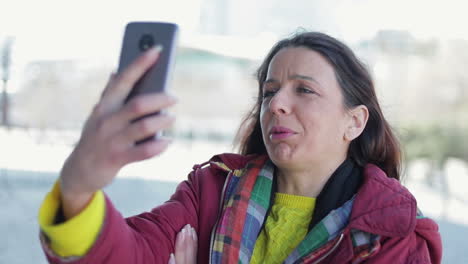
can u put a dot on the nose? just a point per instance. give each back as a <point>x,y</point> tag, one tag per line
<point>279,103</point>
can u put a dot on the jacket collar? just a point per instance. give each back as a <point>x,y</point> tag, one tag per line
<point>383,206</point>
<point>229,161</point>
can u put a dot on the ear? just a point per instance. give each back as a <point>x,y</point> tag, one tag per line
<point>358,117</point>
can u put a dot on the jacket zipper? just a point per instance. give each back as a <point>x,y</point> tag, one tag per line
<point>331,250</point>
<point>213,231</point>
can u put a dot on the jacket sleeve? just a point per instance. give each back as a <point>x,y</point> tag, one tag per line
<point>145,238</point>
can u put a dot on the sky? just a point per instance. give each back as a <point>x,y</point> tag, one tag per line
<point>52,29</point>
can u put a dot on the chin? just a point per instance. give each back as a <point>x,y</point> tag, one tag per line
<point>283,159</point>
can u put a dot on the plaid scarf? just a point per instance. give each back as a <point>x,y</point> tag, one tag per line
<point>245,206</point>
<point>246,202</point>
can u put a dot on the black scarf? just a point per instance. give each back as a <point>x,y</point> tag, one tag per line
<point>340,188</point>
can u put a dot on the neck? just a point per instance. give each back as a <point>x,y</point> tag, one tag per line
<point>305,181</point>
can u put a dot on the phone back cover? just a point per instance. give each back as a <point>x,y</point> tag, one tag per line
<point>157,77</point>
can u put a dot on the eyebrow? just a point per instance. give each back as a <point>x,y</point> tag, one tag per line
<point>295,76</point>
<point>303,77</point>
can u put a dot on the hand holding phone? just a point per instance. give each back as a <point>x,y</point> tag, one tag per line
<point>107,142</point>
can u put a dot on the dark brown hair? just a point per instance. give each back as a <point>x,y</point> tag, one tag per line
<point>377,144</point>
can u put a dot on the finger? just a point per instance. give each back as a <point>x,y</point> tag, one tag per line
<point>146,104</point>
<point>139,107</point>
<point>180,239</point>
<point>109,84</point>
<point>147,150</point>
<point>126,79</point>
<point>193,244</point>
<point>147,127</point>
<point>100,109</point>
<point>186,246</point>
<point>182,245</point>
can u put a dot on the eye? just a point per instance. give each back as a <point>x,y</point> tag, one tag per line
<point>268,93</point>
<point>302,89</point>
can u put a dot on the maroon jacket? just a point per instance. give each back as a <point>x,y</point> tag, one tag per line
<point>382,207</point>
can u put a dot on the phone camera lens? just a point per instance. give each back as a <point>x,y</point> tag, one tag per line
<point>146,42</point>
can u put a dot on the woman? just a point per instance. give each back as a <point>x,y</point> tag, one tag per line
<point>316,180</point>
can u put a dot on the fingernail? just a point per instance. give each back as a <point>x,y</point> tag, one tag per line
<point>171,259</point>
<point>155,50</point>
<point>190,232</point>
<point>194,234</point>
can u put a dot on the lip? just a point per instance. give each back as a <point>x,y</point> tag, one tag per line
<point>279,132</point>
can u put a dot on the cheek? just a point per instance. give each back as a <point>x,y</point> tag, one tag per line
<point>322,128</point>
<point>333,132</point>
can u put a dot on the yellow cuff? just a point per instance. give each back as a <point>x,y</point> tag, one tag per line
<point>78,234</point>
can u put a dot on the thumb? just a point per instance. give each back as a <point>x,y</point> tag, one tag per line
<point>110,82</point>
<point>125,80</point>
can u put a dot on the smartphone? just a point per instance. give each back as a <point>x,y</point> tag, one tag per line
<point>139,37</point>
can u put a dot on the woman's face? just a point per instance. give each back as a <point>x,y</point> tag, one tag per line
<point>303,117</point>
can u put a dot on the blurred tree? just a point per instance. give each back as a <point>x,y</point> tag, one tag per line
<point>436,143</point>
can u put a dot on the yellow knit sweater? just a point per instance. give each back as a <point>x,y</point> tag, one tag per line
<point>285,228</point>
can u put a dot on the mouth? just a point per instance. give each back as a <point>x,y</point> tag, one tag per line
<point>279,132</point>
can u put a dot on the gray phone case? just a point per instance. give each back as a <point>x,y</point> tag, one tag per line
<point>138,37</point>
<point>136,41</point>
